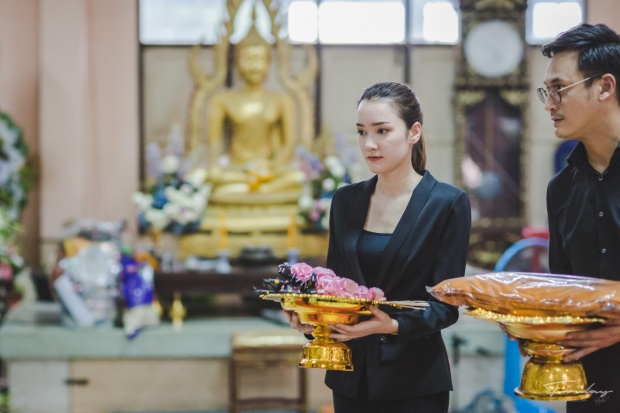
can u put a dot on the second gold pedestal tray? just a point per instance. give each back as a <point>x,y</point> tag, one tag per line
<point>323,310</point>
<point>545,376</point>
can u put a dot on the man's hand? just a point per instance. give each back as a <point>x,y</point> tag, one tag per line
<point>380,323</point>
<point>590,341</point>
<point>293,319</point>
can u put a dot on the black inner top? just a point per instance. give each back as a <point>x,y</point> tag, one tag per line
<point>370,248</point>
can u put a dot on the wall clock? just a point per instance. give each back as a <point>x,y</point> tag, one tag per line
<point>493,48</point>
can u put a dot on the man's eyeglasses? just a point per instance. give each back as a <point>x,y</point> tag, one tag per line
<point>554,93</point>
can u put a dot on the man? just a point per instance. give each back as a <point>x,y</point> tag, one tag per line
<point>583,200</point>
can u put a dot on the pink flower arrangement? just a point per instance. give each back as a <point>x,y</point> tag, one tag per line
<point>326,282</point>
<point>6,272</point>
<point>302,271</point>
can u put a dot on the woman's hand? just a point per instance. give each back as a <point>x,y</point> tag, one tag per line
<point>380,323</point>
<point>293,319</point>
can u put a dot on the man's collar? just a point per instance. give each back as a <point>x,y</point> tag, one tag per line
<point>578,157</point>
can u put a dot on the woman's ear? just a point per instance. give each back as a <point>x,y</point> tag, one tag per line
<point>414,133</point>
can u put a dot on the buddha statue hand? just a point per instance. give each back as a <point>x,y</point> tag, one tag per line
<point>257,176</point>
<point>258,172</point>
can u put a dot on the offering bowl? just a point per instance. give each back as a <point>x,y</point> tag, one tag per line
<point>322,311</point>
<point>545,375</point>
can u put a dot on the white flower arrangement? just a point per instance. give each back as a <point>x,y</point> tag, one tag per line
<point>16,177</point>
<point>16,174</point>
<point>11,262</point>
<point>176,202</point>
<point>176,195</point>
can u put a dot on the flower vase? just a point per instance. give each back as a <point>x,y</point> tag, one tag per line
<point>166,249</point>
<point>155,247</point>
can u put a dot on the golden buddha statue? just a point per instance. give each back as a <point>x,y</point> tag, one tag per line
<point>262,134</point>
<point>251,136</point>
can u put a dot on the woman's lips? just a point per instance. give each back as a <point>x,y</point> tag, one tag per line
<point>373,158</point>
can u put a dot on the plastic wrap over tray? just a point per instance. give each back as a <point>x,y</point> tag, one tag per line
<point>533,294</point>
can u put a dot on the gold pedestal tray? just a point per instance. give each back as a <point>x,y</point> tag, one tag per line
<point>322,311</point>
<point>545,376</point>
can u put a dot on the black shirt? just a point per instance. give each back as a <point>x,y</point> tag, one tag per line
<point>583,208</point>
<point>370,247</point>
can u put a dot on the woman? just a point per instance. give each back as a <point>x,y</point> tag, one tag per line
<point>401,231</point>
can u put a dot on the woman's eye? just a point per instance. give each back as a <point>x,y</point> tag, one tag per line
<point>382,131</point>
<point>557,87</point>
<point>361,132</point>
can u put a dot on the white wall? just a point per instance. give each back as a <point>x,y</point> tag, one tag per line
<point>88,110</point>
<point>69,78</point>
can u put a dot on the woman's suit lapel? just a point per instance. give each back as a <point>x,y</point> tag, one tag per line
<point>405,225</point>
<point>356,218</point>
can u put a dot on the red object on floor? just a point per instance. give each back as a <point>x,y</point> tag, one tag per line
<point>535,232</point>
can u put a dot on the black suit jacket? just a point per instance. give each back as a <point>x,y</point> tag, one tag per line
<point>429,244</point>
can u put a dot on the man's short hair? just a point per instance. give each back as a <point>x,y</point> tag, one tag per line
<point>598,47</point>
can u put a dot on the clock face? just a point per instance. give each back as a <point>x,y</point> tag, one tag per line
<point>493,48</point>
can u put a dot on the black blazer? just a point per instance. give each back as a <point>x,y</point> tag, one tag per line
<point>429,244</point>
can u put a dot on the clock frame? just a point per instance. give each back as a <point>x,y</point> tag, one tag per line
<point>491,137</point>
<point>494,48</point>
<point>473,14</point>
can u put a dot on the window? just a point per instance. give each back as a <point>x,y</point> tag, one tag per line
<point>187,22</point>
<point>180,21</point>
<point>349,22</point>
<point>184,22</point>
<point>545,19</point>
<point>434,22</point>
<point>374,22</point>
<point>167,22</point>
<point>303,21</point>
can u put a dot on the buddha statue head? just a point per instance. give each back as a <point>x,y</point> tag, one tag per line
<point>253,57</point>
